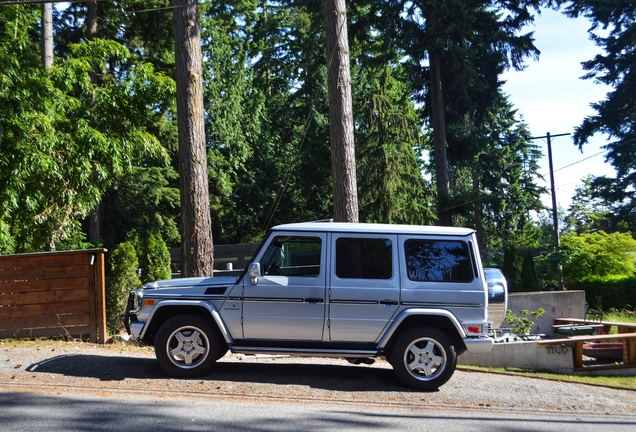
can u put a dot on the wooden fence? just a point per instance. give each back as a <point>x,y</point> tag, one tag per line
<point>53,294</point>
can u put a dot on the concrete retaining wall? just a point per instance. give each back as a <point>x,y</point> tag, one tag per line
<point>557,304</point>
<point>524,355</point>
<point>529,355</point>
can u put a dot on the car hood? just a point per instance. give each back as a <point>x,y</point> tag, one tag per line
<point>196,283</point>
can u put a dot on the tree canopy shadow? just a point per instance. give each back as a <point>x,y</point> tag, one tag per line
<point>323,376</point>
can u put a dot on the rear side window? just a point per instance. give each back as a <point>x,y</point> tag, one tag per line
<point>364,258</point>
<point>438,261</point>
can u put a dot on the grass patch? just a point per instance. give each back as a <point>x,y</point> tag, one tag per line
<point>619,382</point>
<point>624,316</point>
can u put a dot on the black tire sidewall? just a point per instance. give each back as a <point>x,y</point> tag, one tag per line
<point>402,344</point>
<point>184,320</point>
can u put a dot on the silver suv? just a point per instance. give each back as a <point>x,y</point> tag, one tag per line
<point>415,295</point>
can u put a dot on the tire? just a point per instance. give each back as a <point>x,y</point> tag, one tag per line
<point>187,346</point>
<point>424,358</point>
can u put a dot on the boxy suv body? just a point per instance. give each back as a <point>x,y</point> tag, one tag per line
<point>416,295</point>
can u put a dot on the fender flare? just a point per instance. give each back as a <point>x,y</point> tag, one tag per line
<point>419,312</point>
<point>191,303</point>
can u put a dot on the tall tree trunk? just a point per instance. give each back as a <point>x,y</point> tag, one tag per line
<point>95,215</point>
<point>91,20</point>
<point>444,214</point>
<point>343,161</point>
<point>47,35</point>
<point>196,226</point>
<point>46,46</point>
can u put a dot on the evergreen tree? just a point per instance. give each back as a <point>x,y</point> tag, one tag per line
<point>498,191</point>
<point>144,200</point>
<point>529,278</point>
<point>122,278</point>
<point>616,115</point>
<point>510,267</point>
<point>389,136</point>
<point>155,261</point>
<point>588,213</point>
<point>471,42</point>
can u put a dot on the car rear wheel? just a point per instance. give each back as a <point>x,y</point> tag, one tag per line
<point>424,358</point>
<point>187,345</point>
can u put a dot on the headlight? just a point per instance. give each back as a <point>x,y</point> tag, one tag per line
<point>136,297</point>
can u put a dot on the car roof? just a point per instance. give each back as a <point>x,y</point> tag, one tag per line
<point>327,226</point>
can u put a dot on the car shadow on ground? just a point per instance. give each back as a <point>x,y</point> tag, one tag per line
<point>322,376</point>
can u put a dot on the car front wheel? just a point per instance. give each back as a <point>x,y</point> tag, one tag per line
<point>424,358</point>
<point>187,345</point>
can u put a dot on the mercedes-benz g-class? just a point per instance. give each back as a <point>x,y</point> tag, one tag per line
<point>416,295</point>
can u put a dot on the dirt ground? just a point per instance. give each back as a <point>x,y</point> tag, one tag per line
<point>129,371</point>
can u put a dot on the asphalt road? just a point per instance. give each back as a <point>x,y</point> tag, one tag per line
<point>122,412</point>
<point>71,386</point>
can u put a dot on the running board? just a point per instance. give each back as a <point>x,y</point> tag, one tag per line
<point>305,352</point>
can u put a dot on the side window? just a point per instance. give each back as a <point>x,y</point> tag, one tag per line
<point>364,258</point>
<point>292,256</point>
<point>438,261</point>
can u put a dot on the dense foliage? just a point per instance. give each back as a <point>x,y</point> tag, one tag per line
<point>607,293</point>
<point>266,120</point>
<point>155,259</point>
<point>122,277</point>
<point>97,132</point>
<point>64,136</point>
<point>598,255</point>
<point>613,28</point>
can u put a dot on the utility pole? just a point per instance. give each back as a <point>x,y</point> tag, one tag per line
<point>555,216</point>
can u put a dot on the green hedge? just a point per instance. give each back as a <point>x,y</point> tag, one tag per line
<point>608,292</point>
<point>123,278</point>
<point>155,260</point>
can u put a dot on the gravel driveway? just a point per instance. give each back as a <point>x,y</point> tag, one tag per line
<point>125,370</point>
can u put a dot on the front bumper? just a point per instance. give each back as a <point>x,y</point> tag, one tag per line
<point>135,330</point>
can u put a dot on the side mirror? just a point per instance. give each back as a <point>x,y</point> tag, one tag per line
<point>254,270</point>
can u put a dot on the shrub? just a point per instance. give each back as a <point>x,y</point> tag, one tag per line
<point>123,278</point>
<point>598,254</point>
<point>155,264</point>
<point>522,324</point>
<point>609,292</point>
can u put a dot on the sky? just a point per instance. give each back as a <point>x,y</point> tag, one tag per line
<point>551,97</point>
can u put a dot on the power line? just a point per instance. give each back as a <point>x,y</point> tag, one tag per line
<point>592,156</point>
<point>28,2</point>
<point>34,2</point>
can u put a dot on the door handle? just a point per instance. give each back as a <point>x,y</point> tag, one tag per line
<point>388,302</point>
<point>313,300</point>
